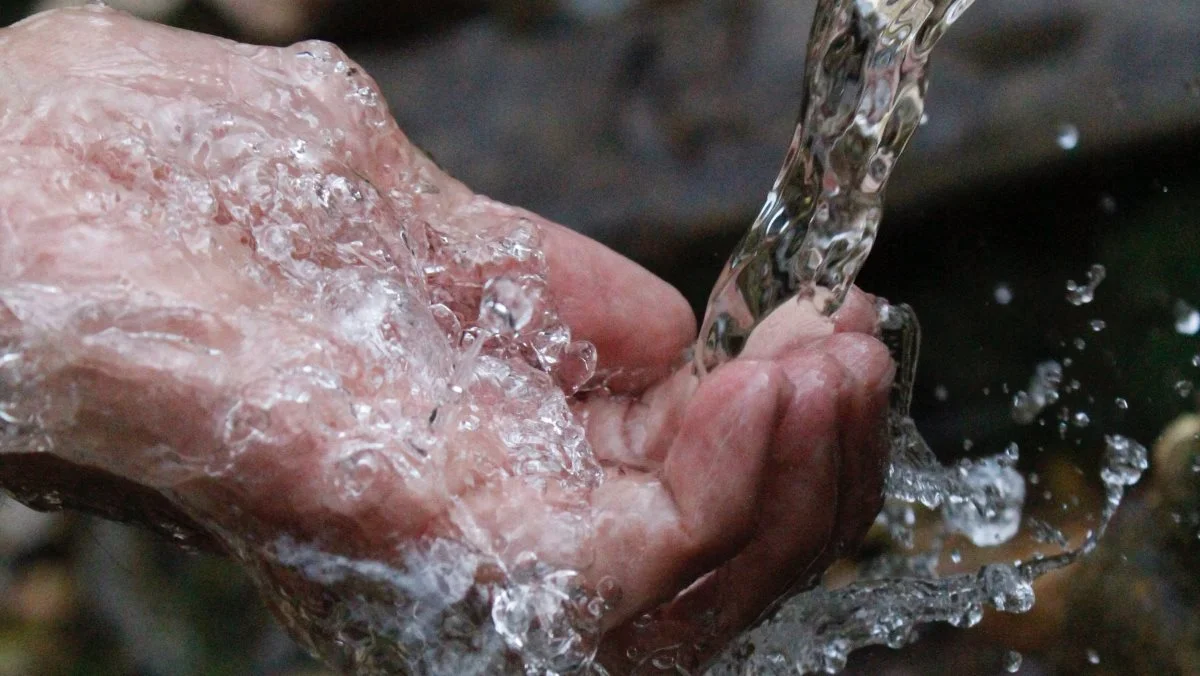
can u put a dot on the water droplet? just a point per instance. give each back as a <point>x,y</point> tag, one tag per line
<point>942,394</point>
<point>1093,657</point>
<point>1184,388</point>
<point>1122,403</point>
<point>1080,344</point>
<point>1083,294</point>
<point>508,304</point>
<point>1097,325</point>
<point>1081,419</point>
<point>1196,360</point>
<point>1067,136</point>
<point>1124,461</point>
<point>1041,392</point>
<point>1108,204</point>
<point>1012,661</point>
<point>1187,319</point>
<point>1003,294</point>
<point>955,556</point>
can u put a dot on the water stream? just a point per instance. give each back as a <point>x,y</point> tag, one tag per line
<point>864,97</point>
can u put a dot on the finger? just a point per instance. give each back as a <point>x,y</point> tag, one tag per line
<point>635,431</point>
<point>857,314</point>
<point>639,324</point>
<point>863,410</point>
<point>799,322</point>
<point>812,502</point>
<point>655,536</point>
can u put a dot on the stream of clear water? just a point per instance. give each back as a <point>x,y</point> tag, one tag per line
<point>864,97</point>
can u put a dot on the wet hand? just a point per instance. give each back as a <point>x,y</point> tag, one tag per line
<point>229,281</point>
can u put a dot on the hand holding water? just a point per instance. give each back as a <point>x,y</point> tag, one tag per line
<point>230,287</point>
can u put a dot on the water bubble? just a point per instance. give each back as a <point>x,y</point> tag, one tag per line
<point>1081,419</point>
<point>1007,588</point>
<point>1187,318</point>
<point>1003,294</point>
<point>1184,388</point>
<point>1122,403</point>
<point>1097,325</point>
<point>1196,360</point>
<point>1067,136</point>
<point>1041,392</point>
<point>1093,657</point>
<point>508,304</point>
<point>989,510</point>
<point>1108,204</point>
<point>1083,294</point>
<point>942,394</point>
<point>1124,461</point>
<point>1012,661</point>
<point>1080,344</point>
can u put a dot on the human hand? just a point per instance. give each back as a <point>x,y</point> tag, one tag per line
<point>230,287</point>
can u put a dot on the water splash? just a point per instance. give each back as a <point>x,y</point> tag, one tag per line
<point>1012,661</point>
<point>864,97</point>
<point>1067,137</point>
<point>1042,391</point>
<point>1082,294</point>
<point>1187,319</point>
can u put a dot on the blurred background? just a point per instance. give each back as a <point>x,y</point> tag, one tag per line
<point>1061,134</point>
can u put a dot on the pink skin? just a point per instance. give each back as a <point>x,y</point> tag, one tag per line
<point>748,481</point>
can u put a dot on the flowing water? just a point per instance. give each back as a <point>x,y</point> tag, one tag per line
<point>867,68</point>
<point>864,96</point>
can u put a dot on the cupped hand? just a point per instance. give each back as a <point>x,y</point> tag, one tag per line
<point>231,286</point>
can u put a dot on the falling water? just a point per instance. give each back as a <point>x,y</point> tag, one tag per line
<point>864,96</point>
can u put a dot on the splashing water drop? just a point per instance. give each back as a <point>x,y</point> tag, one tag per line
<point>991,515</point>
<point>1124,461</point>
<point>1012,661</point>
<point>1042,391</point>
<point>1078,294</point>
<point>1067,137</point>
<point>1187,318</point>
